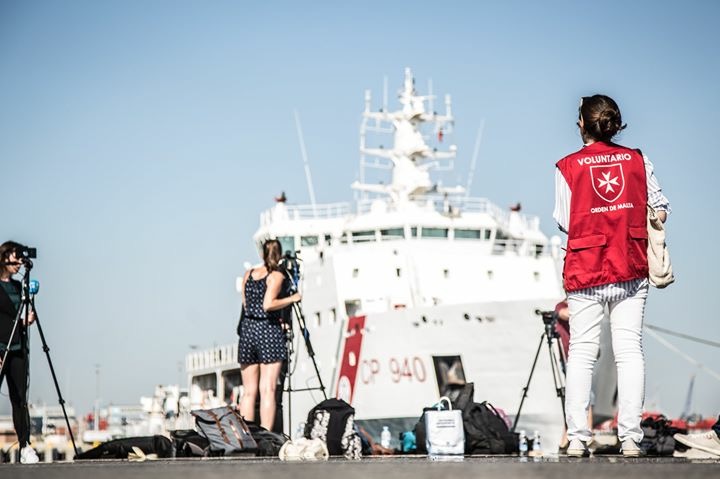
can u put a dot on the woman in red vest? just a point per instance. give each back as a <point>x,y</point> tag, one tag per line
<point>601,197</point>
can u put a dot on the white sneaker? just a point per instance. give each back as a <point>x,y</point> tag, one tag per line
<point>693,453</point>
<point>28,455</point>
<point>577,448</point>
<point>706,441</point>
<point>631,449</point>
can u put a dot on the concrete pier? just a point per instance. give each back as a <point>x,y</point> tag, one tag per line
<point>406,467</point>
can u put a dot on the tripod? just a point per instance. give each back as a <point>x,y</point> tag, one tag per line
<point>548,336</point>
<point>290,272</point>
<point>27,305</point>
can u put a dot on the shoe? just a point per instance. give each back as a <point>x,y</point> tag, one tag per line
<point>577,448</point>
<point>562,448</point>
<point>692,453</point>
<point>631,449</point>
<point>28,455</point>
<point>706,441</point>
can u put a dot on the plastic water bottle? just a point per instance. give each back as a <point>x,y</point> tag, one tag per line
<point>300,431</point>
<point>537,446</point>
<point>385,437</point>
<point>523,443</point>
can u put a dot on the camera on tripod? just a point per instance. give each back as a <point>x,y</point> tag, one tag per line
<point>289,261</point>
<point>549,319</point>
<point>26,252</point>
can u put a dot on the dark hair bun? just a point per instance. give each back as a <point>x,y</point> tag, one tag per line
<point>601,116</point>
<point>609,123</point>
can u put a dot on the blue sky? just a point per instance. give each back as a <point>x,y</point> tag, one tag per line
<point>139,141</point>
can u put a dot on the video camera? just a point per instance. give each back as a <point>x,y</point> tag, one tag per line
<point>548,317</point>
<point>24,254</point>
<point>290,265</point>
<point>289,261</point>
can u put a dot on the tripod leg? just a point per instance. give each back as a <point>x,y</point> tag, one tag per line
<point>557,379</point>
<point>52,372</point>
<point>288,345</point>
<point>308,345</point>
<point>18,316</point>
<point>527,386</point>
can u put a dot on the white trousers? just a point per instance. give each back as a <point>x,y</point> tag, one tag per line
<point>626,320</point>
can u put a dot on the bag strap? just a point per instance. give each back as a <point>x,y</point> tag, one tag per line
<point>447,400</point>
<point>219,425</point>
<point>237,435</point>
<point>241,420</point>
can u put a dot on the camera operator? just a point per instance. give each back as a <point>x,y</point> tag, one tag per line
<point>261,350</point>
<point>16,367</point>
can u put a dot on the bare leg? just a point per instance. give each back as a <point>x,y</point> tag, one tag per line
<point>268,384</point>
<point>250,378</point>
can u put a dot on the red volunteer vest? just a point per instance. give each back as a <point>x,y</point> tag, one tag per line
<point>607,234</point>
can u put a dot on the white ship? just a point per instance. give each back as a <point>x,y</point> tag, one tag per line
<point>415,286</point>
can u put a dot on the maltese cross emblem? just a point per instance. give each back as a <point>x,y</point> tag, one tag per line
<point>608,181</point>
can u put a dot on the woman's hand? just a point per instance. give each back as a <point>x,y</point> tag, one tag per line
<point>31,318</point>
<point>296,298</point>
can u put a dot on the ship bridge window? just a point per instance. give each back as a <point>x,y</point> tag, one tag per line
<point>502,242</point>
<point>328,240</point>
<point>434,232</point>
<point>392,233</point>
<point>414,231</point>
<point>363,236</point>
<point>308,241</point>
<point>232,380</point>
<point>287,243</point>
<point>206,382</point>
<point>468,234</point>
<point>488,234</point>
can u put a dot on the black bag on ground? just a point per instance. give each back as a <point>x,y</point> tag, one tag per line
<point>268,442</point>
<point>486,431</point>
<point>658,437</point>
<point>333,421</point>
<point>188,443</point>
<point>225,429</point>
<point>120,448</point>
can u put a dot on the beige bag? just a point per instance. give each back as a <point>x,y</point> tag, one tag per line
<point>304,450</point>
<point>660,269</point>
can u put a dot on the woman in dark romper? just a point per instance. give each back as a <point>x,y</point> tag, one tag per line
<point>262,336</point>
<point>16,365</point>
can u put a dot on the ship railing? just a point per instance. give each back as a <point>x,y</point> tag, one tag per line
<point>449,206</point>
<point>211,358</point>
<point>286,212</point>
<point>456,206</point>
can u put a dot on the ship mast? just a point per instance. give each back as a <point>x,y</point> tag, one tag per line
<point>410,157</point>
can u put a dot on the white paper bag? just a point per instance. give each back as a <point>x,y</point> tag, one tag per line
<point>444,429</point>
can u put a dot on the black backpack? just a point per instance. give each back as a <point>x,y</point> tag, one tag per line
<point>486,431</point>
<point>658,437</point>
<point>268,442</point>
<point>333,421</point>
